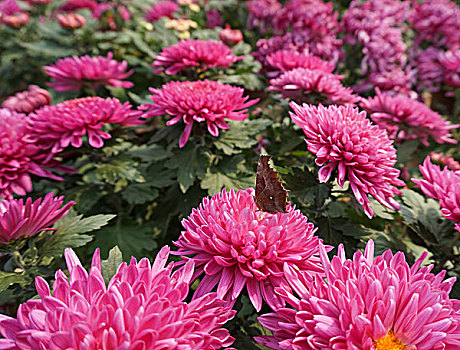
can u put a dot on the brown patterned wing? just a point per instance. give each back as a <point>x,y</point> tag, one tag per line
<point>270,196</point>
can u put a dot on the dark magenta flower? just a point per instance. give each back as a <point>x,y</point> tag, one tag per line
<point>199,101</point>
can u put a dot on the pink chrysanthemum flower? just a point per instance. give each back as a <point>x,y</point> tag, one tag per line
<point>73,5</point>
<point>72,73</point>
<point>201,54</point>
<point>407,119</point>
<point>443,185</point>
<point>9,7</point>
<point>313,86</point>
<point>27,101</point>
<point>285,60</point>
<point>343,137</point>
<point>450,61</point>
<point>429,71</point>
<point>18,157</point>
<point>445,159</point>
<point>199,101</point>
<point>234,245</point>
<point>141,308</point>
<point>366,304</point>
<point>56,127</point>
<point>161,9</point>
<point>262,13</point>
<point>436,22</point>
<point>19,219</point>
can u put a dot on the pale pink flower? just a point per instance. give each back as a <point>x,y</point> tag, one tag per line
<point>142,307</point>
<point>443,185</point>
<point>197,54</point>
<point>407,119</point>
<point>71,20</point>
<point>18,157</point>
<point>366,304</point>
<point>72,73</point>
<point>56,127</point>
<point>19,219</point>
<point>313,86</point>
<point>284,60</point>
<point>343,137</point>
<point>236,245</point>
<point>450,61</point>
<point>161,9</point>
<point>445,159</point>
<point>199,101</point>
<point>17,20</point>
<point>27,101</point>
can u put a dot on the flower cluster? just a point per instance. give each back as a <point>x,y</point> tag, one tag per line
<point>200,54</point>
<point>29,100</point>
<point>19,158</point>
<point>377,26</point>
<point>262,13</point>
<point>71,20</point>
<point>19,219</point>
<point>199,101</point>
<point>366,303</point>
<point>443,185</point>
<point>161,9</point>
<point>235,246</point>
<point>72,73</point>
<point>56,127</point>
<point>12,14</point>
<point>343,137</point>
<point>436,25</point>
<point>312,86</point>
<point>406,119</point>
<point>141,308</point>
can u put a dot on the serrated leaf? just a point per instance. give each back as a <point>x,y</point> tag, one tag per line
<point>191,162</point>
<point>304,185</point>
<point>69,233</point>
<point>9,278</point>
<point>422,214</point>
<point>241,135</point>
<point>139,193</point>
<point>110,266</point>
<point>227,174</point>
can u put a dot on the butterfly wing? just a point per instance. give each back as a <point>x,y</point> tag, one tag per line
<point>270,195</point>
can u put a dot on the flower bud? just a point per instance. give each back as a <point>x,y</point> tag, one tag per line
<point>230,36</point>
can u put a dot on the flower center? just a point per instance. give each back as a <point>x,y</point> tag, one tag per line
<point>389,342</point>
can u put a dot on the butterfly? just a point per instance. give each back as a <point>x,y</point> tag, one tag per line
<point>270,196</point>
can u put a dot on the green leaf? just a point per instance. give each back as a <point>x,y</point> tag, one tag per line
<point>191,162</point>
<point>69,233</point>
<point>150,153</point>
<point>406,149</point>
<point>422,214</point>
<point>304,185</point>
<point>132,239</point>
<point>9,278</point>
<point>110,266</point>
<point>139,193</point>
<point>227,174</point>
<point>241,135</point>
